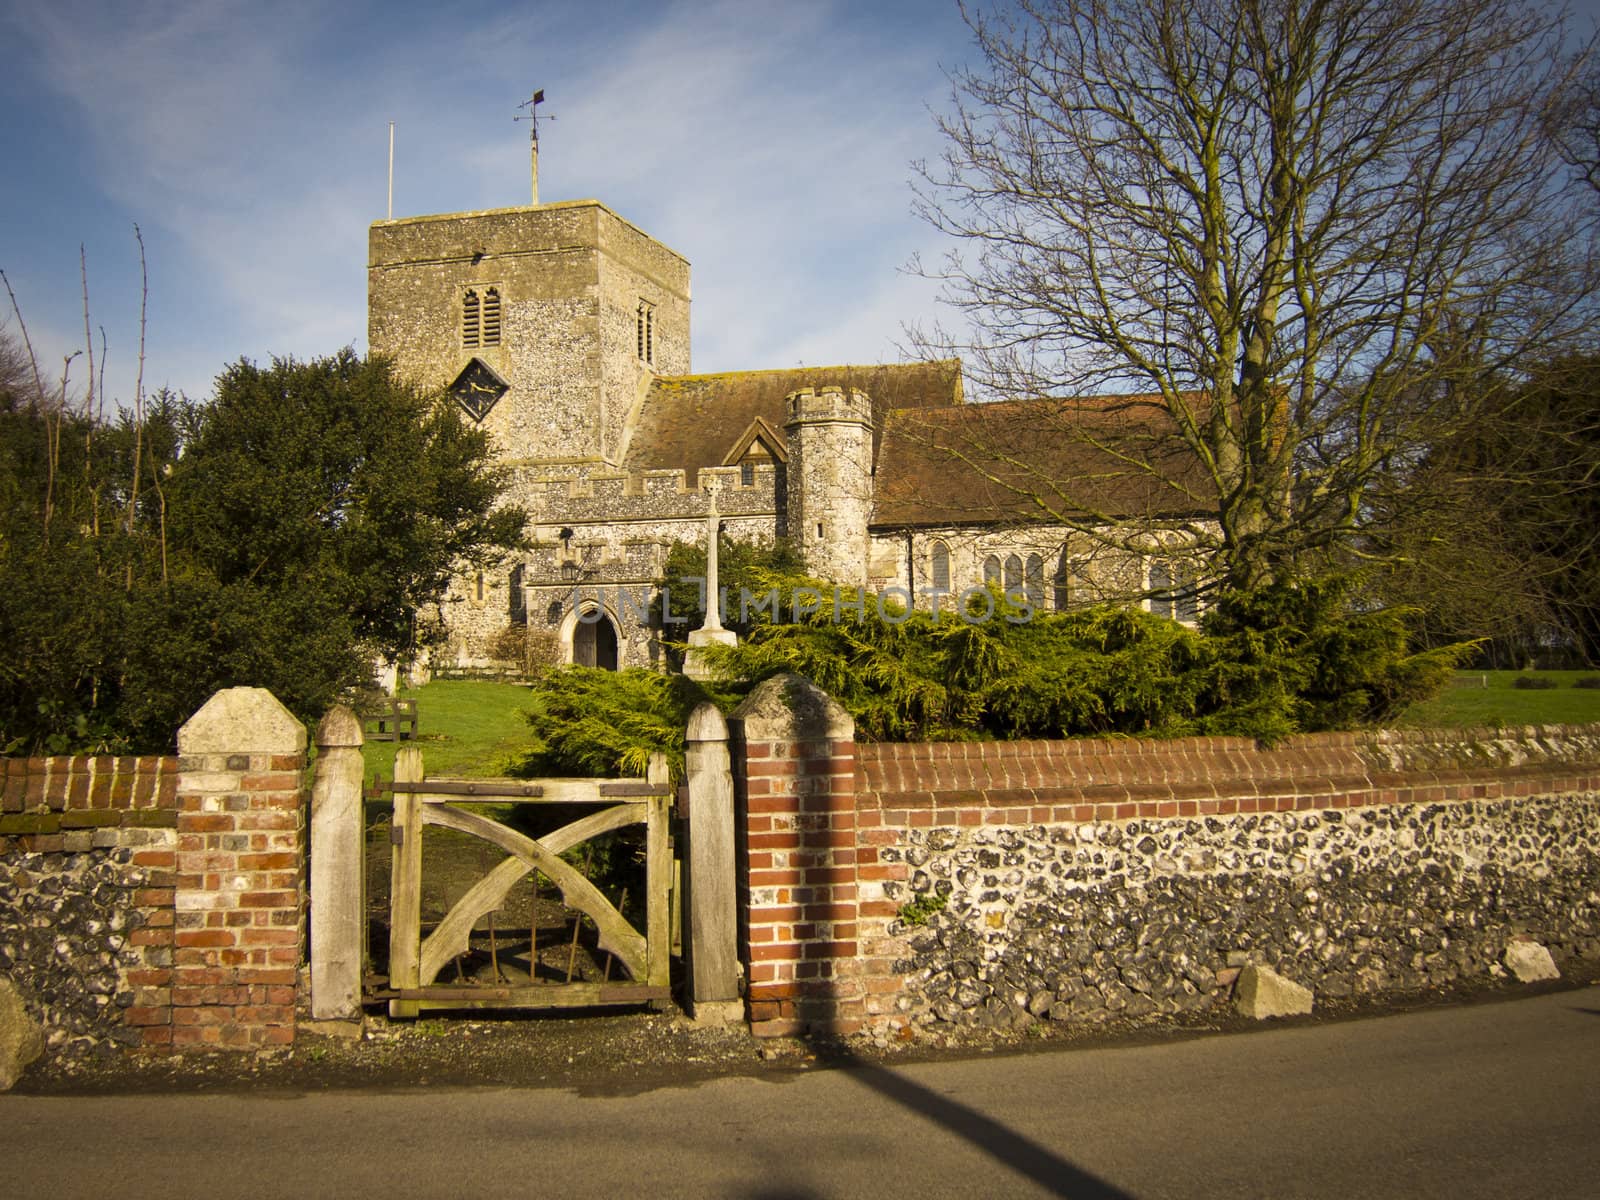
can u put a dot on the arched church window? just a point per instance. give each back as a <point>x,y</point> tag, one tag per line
<point>1013,574</point>
<point>517,599</point>
<point>1035,580</point>
<point>991,571</point>
<point>941,566</point>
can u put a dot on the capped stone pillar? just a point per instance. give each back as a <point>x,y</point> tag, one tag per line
<point>240,896</point>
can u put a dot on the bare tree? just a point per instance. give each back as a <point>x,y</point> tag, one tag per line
<point>1296,234</point>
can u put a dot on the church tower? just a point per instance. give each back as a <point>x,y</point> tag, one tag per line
<point>546,322</point>
<point>829,435</point>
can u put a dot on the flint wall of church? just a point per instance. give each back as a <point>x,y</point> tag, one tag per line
<point>623,527</point>
<point>1094,573</point>
<point>635,268</point>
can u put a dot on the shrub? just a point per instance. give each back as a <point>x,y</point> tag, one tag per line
<point>1534,683</point>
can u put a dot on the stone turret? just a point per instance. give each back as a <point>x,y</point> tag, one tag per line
<point>829,433</point>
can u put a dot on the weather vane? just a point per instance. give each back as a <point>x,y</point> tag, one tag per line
<point>532,117</point>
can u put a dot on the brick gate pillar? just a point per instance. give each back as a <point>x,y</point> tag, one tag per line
<point>240,897</point>
<point>794,769</point>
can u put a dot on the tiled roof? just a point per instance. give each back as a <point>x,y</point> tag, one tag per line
<point>692,421</point>
<point>1033,460</point>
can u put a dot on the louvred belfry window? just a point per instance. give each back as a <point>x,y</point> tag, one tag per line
<point>471,320</point>
<point>491,317</point>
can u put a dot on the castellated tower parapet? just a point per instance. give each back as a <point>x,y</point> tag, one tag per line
<point>829,434</point>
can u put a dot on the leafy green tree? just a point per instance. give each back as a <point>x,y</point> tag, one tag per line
<point>284,534</point>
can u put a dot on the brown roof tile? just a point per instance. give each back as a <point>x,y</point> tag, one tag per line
<point>1036,460</point>
<point>692,421</point>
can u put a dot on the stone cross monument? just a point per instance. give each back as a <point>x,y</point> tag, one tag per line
<point>711,633</point>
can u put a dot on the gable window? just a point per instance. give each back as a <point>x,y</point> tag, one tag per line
<point>747,474</point>
<point>941,567</point>
<point>647,331</point>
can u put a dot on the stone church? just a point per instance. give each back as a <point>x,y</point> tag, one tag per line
<point>562,330</point>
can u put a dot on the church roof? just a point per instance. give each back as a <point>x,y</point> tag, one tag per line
<point>691,421</point>
<point>1112,457</point>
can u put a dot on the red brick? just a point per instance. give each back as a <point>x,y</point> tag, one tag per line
<point>204,937</point>
<point>776,951</point>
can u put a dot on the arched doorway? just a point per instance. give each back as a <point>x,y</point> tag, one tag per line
<point>594,641</point>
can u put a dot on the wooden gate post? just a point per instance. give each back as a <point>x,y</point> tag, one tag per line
<point>405,884</point>
<point>711,946</point>
<point>336,869</point>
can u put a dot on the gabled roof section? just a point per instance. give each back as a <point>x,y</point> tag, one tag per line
<point>1112,457</point>
<point>771,441</point>
<point>692,421</point>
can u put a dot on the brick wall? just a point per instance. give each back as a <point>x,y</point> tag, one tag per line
<point>1315,855</point>
<point>241,888</point>
<point>793,752</point>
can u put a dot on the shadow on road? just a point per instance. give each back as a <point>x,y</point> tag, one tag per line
<point>1021,1154</point>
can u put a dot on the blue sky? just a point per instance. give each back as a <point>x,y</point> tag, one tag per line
<point>769,142</point>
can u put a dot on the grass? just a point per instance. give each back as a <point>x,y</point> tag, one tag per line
<point>476,727</point>
<point>468,727</point>
<point>1492,699</point>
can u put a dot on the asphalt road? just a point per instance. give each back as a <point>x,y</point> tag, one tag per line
<point>1497,1100</point>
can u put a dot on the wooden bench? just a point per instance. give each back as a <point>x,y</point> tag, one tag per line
<point>396,722</point>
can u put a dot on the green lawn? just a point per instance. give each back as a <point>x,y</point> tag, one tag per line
<point>464,727</point>
<point>1491,698</point>
<point>476,727</point>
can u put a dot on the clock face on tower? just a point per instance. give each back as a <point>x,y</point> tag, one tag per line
<point>478,388</point>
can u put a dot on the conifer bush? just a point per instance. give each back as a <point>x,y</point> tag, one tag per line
<point>1284,660</point>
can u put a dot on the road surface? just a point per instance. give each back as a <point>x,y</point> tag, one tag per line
<point>1497,1100</point>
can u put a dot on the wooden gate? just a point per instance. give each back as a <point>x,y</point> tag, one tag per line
<point>415,960</point>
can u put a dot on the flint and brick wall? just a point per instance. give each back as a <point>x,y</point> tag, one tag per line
<point>87,850</point>
<point>159,903</point>
<point>989,885</point>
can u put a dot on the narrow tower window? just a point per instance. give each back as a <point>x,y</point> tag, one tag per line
<point>647,331</point>
<point>472,319</point>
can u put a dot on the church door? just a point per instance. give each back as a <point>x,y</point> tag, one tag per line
<point>594,644</point>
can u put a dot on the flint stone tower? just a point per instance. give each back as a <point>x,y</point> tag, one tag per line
<point>829,435</point>
<point>550,320</point>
